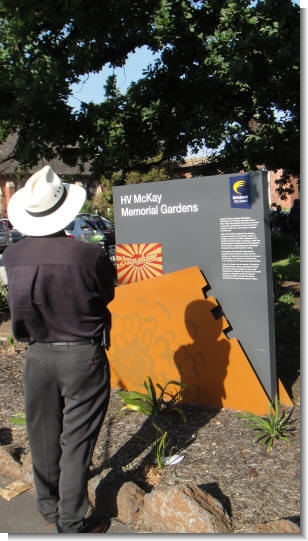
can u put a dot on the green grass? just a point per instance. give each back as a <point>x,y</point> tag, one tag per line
<point>287,269</point>
<point>287,321</point>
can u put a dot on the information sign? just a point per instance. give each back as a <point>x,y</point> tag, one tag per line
<point>220,224</point>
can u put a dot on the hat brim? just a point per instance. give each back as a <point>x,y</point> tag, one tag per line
<point>39,226</point>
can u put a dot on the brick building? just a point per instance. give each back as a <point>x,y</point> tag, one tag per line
<point>10,181</point>
<point>191,164</point>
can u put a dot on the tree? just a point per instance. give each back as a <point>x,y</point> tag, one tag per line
<point>226,78</point>
<point>47,46</point>
<point>229,81</point>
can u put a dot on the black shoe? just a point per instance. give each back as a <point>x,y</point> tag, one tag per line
<point>95,526</point>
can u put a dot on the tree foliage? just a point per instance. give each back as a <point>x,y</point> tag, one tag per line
<point>225,77</point>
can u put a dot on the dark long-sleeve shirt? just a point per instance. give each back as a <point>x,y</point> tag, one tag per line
<point>59,289</point>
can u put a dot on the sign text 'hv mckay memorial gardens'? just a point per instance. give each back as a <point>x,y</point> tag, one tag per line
<point>220,224</point>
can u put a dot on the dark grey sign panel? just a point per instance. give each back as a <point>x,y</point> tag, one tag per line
<point>220,224</point>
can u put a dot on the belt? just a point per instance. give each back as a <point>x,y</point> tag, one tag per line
<point>94,340</point>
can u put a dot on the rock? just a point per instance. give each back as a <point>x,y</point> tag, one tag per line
<point>8,466</point>
<point>294,287</point>
<point>130,503</point>
<point>92,486</point>
<point>26,469</point>
<point>273,526</point>
<point>178,509</point>
<point>184,509</point>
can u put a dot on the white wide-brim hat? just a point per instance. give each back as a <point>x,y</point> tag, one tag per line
<point>45,205</point>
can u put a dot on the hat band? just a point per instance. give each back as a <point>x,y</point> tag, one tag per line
<point>51,209</point>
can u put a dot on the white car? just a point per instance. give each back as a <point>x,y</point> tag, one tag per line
<point>92,228</point>
<point>15,235</point>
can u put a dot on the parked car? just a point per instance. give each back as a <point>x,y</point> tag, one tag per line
<point>108,223</point>
<point>15,235</point>
<point>103,225</point>
<point>93,228</point>
<point>5,238</point>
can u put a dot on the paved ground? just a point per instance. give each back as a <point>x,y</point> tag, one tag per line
<point>20,516</point>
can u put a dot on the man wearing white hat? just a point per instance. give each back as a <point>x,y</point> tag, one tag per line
<point>59,290</point>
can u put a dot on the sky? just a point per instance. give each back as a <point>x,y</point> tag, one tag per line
<point>91,89</point>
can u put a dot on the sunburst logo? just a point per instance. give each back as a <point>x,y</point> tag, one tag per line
<point>137,262</point>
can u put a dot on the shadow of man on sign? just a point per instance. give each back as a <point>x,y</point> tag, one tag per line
<point>203,363</point>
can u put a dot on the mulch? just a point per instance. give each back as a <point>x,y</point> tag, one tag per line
<point>219,456</point>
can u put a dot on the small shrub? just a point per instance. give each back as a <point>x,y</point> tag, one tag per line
<point>151,403</point>
<point>283,244</point>
<point>3,297</point>
<point>271,428</point>
<point>288,298</point>
<point>155,404</point>
<point>161,444</point>
<point>287,320</point>
<point>11,341</point>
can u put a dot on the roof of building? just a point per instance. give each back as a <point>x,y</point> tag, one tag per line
<point>8,165</point>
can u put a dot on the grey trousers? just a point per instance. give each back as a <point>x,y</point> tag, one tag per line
<point>67,390</point>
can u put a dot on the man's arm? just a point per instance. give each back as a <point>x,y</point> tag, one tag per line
<point>106,276</point>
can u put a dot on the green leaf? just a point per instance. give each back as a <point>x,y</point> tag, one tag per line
<point>151,390</point>
<point>142,407</point>
<point>271,428</point>
<point>18,419</point>
<point>131,395</point>
<point>151,403</point>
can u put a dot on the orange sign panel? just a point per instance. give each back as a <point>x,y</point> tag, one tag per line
<point>165,329</point>
<point>136,262</point>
